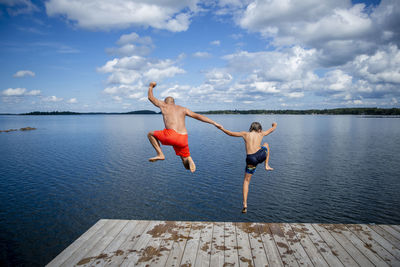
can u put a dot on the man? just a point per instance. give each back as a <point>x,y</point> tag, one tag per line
<point>175,133</point>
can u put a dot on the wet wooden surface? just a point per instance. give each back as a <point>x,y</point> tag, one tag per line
<point>170,243</point>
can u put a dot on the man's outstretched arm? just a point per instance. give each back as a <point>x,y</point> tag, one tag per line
<point>151,97</point>
<point>200,117</point>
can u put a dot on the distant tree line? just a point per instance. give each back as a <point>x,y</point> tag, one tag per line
<point>87,113</point>
<point>335,111</point>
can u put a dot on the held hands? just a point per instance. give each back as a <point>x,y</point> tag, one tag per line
<point>153,84</point>
<point>219,126</point>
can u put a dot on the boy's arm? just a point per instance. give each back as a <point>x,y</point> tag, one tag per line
<point>234,134</point>
<point>151,97</point>
<point>202,118</point>
<point>270,130</point>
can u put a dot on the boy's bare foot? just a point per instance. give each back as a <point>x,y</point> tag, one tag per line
<point>156,158</point>
<point>244,210</point>
<point>268,168</point>
<point>192,166</point>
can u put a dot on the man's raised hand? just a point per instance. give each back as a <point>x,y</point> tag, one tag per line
<point>153,84</point>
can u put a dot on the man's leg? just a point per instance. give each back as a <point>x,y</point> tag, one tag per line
<point>267,167</point>
<point>189,163</point>
<point>246,182</point>
<point>156,144</point>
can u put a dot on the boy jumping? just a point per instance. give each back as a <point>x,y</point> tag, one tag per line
<point>255,153</point>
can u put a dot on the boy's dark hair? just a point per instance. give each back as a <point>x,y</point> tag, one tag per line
<point>255,126</point>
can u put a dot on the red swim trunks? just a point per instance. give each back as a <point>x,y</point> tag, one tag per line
<point>179,142</point>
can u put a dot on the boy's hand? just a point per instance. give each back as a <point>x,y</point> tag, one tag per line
<point>274,124</point>
<point>152,84</point>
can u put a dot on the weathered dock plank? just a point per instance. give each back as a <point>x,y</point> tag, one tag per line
<point>231,254</point>
<point>321,245</point>
<point>217,245</point>
<point>284,249</point>
<point>371,243</point>
<point>325,231</point>
<point>316,257</point>
<point>192,244</point>
<point>176,253</point>
<point>244,251</point>
<point>256,245</point>
<point>170,243</point>
<point>80,253</point>
<point>204,252</point>
<point>64,255</point>
<point>95,253</point>
<point>294,242</point>
<point>391,230</point>
<point>126,247</point>
<point>274,259</point>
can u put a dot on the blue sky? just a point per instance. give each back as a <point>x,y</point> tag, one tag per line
<point>100,55</point>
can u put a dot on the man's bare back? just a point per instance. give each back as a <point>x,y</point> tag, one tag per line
<point>175,132</point>
<point>174,118</point>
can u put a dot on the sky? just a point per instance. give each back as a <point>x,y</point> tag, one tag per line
<point>100,55</point>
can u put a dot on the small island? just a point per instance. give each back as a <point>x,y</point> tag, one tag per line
<point>21,129</point>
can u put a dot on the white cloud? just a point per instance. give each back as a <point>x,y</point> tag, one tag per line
<point>14,92</point>
<point>117,98</point>
<point>381,67</point>
<point>172,15</point>
<point>72,100</point>
<point>20,92</point>
<point>130,74</point>
<point>52,99</point>
<point>128,70</point>
<point>337,80</point>
<point>295,95</point>
<point>132,44</point>
<point>33,92</point>
<point>23,73</point>
<point>218,77</point>
<point>284,65</point>
<point>134,38</point>
<point>216,42</point>
<point>155,73</point>
<point>338,30</point>
<point>17,7</point>
<point>200,54</point>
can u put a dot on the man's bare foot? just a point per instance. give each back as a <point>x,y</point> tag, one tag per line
<point>156,158</point>
<point>268,168</point>
<point>192,166</point>
<point>244,210</point>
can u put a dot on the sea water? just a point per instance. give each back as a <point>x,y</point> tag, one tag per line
<point>58,180</point>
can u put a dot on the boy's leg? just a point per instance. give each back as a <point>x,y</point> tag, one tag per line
<point>267,167</point>
<point>246,182</point>
<point>189,163</point>
<point>156,144</point>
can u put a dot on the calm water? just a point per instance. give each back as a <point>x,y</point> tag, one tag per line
<point>57,181</point>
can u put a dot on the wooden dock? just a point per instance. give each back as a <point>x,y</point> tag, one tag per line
<point>175,243</point>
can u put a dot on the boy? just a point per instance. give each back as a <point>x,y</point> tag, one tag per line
<point>255,153</point>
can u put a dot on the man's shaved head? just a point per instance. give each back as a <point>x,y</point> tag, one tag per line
<point>169,100</point>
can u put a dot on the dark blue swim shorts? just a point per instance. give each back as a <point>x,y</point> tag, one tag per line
<point>254,159</point>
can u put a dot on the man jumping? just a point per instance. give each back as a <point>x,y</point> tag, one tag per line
<point>175,133</point>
